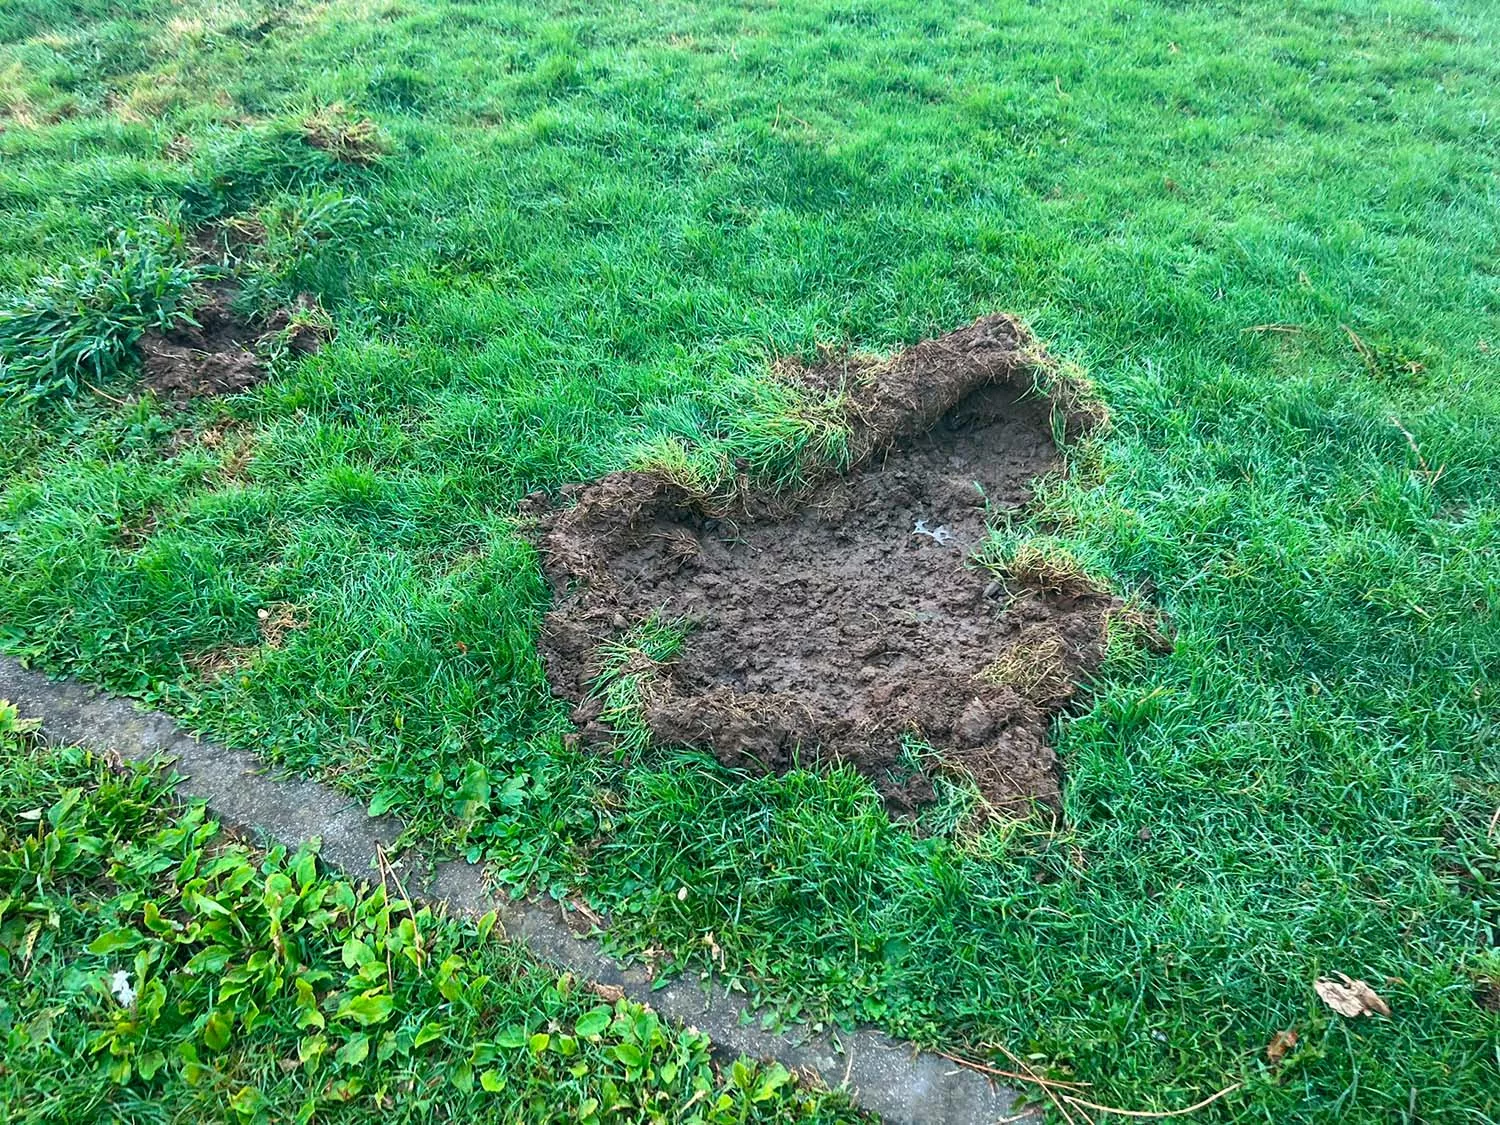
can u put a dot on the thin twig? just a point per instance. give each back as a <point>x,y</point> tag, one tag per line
<point>390,969</point>
<point>583,908</point>
<point>102,394</point>
<point>1151,1113</point>
<point>386,866</point>
<point>1366,353</point>
<point>1073,1100</point>
<point>1044,1083</point>
<point>1012,1074</point>
<point>1412,441</point>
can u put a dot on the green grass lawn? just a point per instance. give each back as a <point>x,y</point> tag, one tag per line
<point>1269,235</point>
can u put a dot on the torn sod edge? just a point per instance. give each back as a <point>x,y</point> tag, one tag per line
<point>1079,417</point>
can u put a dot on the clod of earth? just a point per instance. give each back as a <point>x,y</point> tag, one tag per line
<point>843,624</point>
<point>220,354</point>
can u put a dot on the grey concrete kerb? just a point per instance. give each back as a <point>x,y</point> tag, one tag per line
<point>883,1075</point>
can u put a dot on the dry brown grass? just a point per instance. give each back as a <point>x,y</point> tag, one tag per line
<point>1077,409</point>
<point>1052,570</point>
<point>680,545</point>
<point>353,140</point>
<point>226,660</point>
<point>1136,625</point>
<point>276,622</point>
<point>1033,666</point>
<point>235,446</point>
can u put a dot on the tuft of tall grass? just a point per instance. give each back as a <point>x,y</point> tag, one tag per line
<point>79,325</point>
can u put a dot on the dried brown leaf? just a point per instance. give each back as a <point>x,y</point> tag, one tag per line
<point>607,992</point>
<point>1352,998</point>
<point>1280,1044</point>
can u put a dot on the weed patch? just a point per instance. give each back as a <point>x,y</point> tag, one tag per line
<point>83,323</point>
<point>154,968</point>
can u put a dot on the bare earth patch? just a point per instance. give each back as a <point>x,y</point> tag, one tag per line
<point>220,354</point>
<point>850,620</point>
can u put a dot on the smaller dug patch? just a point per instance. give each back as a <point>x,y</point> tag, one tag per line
<point>849,624</point>
<point>220,354</point>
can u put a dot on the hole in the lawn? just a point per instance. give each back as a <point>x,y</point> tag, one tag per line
<point>223,353</point>
<point>853,619</point>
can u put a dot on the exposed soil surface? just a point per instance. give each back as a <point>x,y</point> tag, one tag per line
<point>1487,995</point>
<point>844,624</point>
<point>218,355</point>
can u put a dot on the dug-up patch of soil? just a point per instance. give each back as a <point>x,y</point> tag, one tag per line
<point>834,626</point>
<point>218,355</point>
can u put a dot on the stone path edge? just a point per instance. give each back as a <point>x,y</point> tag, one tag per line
<point>884,1076</point>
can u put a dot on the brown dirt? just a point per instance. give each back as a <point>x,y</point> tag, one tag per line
<point>228,240</point>
<point>1487,995</point>
<point>830,627</point>
<point>218,354</point>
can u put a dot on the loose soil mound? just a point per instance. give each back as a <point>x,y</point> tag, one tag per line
<point>849,622</point>
<point>217,355</point>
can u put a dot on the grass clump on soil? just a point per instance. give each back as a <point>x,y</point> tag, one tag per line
<point>626,668</point>
<point>153,968</point>
<point>594,235</point>
<point>354,140</point>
